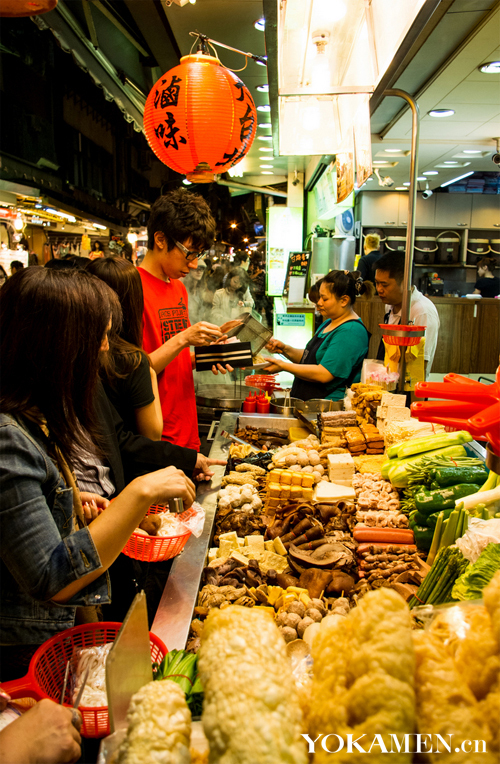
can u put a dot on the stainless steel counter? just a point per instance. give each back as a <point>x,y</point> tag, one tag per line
<point>175,610</point>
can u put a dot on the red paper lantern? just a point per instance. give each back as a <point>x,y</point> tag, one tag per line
<point>200,118</point>
<point>17,8</point>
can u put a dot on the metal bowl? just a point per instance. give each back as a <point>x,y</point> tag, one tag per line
<point>317,405</point>
<point>277,406</point>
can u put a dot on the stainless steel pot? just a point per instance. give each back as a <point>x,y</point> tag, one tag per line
<point>317,405</point>
<point>278,405</point>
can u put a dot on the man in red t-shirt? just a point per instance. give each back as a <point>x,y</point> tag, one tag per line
<point>180,229</point>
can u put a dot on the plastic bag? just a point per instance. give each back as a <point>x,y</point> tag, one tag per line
<point>478,536</point>
<point>191,520</point>
<point>94,693</point>
<point>375,373</point>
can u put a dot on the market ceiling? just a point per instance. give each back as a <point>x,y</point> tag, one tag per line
<point>128,44</point>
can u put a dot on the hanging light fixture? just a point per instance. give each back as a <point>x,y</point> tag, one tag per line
<point>200,118</point>
<point>18,8</point>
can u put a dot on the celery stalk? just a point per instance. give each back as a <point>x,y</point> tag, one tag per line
<point>491,482</point>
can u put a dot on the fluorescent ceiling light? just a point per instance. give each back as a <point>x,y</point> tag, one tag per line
<point>266,172</point>
<point>447,162</point>
<point>393,151</point>
<point>265,148</point>
<point>264,137</point>
<point>380,161</point>
<point>472,151</point>
<point>266,166</point>
<point>492,67</point>
<point>401,188</point>
<point>406,184</point>
<point>441,113</point>
<point>262,88</point>
<point>98,225</point>
<point>420,177</point>
<point>264,124</point>
<point>369,180</point>
<point>430,172</point>
<point>260,24</point>
<point>454,180</point>
<point>264,107</point>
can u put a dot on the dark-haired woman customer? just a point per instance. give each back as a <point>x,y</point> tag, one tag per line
<point>54,558</point>
<point>332,360</point>
<point>129,380</point>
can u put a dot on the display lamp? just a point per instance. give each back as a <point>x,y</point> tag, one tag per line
<point>200,119</point>
<point>466,405</point>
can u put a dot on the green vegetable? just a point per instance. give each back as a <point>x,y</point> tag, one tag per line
<point>436,539</point>
<point>491,482</point>
<point>181,667</point>
<point>432,442</point>
<point>431,520</point>
<point>449,534</point>
<point>470,585</point>
<point>423,537</point>
<point>398,470</point>
<point>437,586</point>
<point>446,476</point>
<point>421,472</point>
<point>421,519</point>
<point>428,502</point>
<point>483,497</point>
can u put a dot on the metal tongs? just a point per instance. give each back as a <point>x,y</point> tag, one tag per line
<point>226,434</point>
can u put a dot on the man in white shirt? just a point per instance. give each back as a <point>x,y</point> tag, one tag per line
<point>389,277</point>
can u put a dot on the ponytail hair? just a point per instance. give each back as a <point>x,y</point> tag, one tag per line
<point>342,283</point>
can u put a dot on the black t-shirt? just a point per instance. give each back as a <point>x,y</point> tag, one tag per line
<point>131,392</point>
<point>366,265</point>
<point>488,287</point>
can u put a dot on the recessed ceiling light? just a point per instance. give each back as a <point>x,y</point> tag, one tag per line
<point>441,113</point>
<point>264,124</point>
<point>264,107</point>
<point>265,137</point>
<point>380,161</point>
<point>401,188</point>
<point>266,167</point>
<point>420,177</point>
<point>430,172</point>
<point>265,148</point>
<point>393,151</point>
<point>472,151</point>
<point>262,88</point>
<point>266,172</point>
<point>260,24</point>
<point>449,162</point>
<point>406,184</point>
<point>492,67</point>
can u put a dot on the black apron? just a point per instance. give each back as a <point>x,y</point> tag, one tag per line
<point>305,389</point>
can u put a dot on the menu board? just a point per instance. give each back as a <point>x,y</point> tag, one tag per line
<point>298,267</point>
<point>363,143</point>
<point>345,167</point>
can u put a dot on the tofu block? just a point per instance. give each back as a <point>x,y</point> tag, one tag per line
<point>274,476</point>
<point>397,414</point>
<point>212,553</point>
<point>332,492</point>
<point>307,480</point>
<point>274,490</point>
<point>296,493</point>
<point>285,492</point>
<point>256,542</point>
<point>226,547</point>
<point>391,399</point>
<point>296,478</point>
<point>307,494</point>
<point>273,502</point>
<point>286,478</point>
<point>272,561</point>
<point>241,541</point>
<point>279,547</point>
<point>239,557</point>
<point>230,536</point>
<point>269,546</point>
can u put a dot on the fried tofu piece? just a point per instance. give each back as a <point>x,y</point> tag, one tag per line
<point>445,704</point>
<point>363,678</point>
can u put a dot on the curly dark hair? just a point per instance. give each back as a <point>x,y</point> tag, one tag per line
<point>181,215</point>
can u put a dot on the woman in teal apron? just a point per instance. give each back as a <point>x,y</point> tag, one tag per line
<point>332,359</point>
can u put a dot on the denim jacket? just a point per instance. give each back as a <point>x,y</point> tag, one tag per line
<point>40,552</point>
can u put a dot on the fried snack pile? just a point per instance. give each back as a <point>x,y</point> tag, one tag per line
<point>446,705</point>
<point>251,712</point>
<point>363,677</point>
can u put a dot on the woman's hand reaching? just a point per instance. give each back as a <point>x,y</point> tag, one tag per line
<point>170,483</point>
<point>275,346</point>
<point>93,505</point>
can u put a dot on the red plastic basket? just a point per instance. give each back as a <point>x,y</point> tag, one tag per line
<point>156,548</point>
<point>265,382</point>
<point>45,677</point>
<point>398,334</point>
